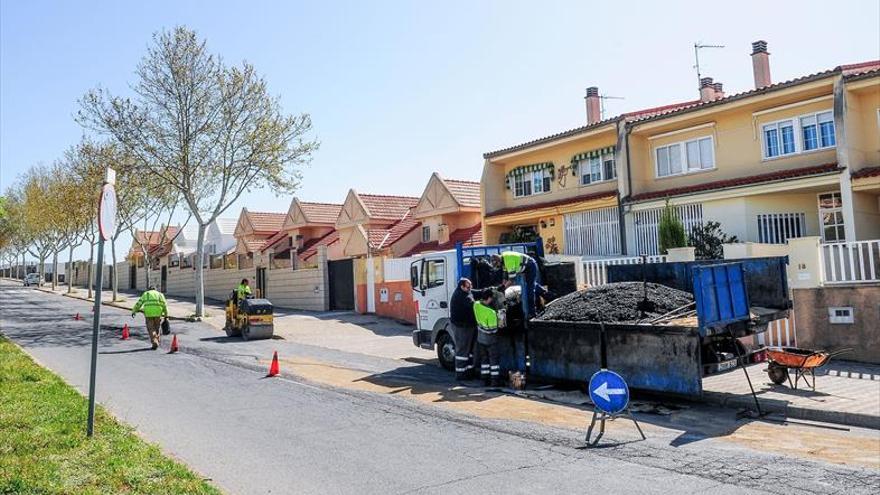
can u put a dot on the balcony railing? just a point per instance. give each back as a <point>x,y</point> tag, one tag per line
<point>851,262</point>
<point>596,271</point>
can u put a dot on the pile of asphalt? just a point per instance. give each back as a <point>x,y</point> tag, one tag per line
<point>615,303</point>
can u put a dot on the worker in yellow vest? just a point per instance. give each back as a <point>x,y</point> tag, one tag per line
<point>488,350</point>
<point>152,304</point>
<point>515,264</point>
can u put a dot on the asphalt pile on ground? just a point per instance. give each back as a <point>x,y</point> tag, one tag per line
<point>617,302</point>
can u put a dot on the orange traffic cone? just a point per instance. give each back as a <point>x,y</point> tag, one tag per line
<point>174,347</point>
<point>77,317</point>
<point>273,368</point>
<point>125,334</point>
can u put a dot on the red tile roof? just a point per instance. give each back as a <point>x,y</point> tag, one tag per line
<point>266,223</point>
<point>737,182</point>
<point>866,172</point>
<point>466,192</point>
<point>312,249</point>
<point>321,212</point>
<point>253,246</point>
<point>272,241</point>
<point>851,71</point>
<point>559,202</point>
<point>387,207</point>
<point>470,236</point>
<point>383,238</point>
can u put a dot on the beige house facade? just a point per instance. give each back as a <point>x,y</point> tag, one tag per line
<point>786,160</point>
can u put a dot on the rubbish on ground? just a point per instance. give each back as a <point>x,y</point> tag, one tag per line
<point>616,302</point>
<point>517,380</point>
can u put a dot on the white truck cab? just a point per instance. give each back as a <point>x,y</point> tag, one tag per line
<point>434,277</point>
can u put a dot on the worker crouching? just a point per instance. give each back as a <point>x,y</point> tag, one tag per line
<point>152,304</point>
<point>489,320</point>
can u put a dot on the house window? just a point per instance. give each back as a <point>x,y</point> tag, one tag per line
<point>426,233</point>
<point>831,216</point>
<point>779,139</point>
<point>778,228</point>
<point>597,168</point>
<point>806,133</point>
<point>529,183</point>
<point>841,315</point>
<point>685,157</point>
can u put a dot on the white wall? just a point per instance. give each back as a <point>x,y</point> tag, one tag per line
<point>181,282</point>
<point>297,289</point>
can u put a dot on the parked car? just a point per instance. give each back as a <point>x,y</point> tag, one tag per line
<point>32,279</point>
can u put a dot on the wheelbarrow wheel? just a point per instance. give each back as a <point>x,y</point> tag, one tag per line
<point>777,374</point>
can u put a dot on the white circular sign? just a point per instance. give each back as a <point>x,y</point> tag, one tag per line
<point>107,212</point>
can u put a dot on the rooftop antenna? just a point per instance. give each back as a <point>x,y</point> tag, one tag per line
<point>697,47</point>
<point>602,99</point>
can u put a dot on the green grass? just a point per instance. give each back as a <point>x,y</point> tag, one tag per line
<point>44,448</point>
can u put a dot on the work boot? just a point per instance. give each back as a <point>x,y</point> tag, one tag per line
<point>155,345</point>
<point>496,382</point>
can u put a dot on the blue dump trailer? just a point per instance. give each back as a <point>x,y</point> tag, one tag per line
<point>733,299</point>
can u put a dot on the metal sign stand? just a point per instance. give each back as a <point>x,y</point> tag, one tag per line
<point>602,415</point>
<point>106,227</point>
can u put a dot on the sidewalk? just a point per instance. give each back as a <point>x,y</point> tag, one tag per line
<point>846,393</point>
<point>178,308</point>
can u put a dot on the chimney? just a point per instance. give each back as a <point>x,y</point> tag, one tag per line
<point>719,90</point>
<point>594,107</point>
<point>761,64</point>
<point>707,89</point>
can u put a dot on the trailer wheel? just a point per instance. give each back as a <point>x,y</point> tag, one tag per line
<point>446,351</point>
<point>777,374</point>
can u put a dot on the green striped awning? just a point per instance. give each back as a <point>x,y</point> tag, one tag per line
<point>520,171</point>
<point>592,154</point>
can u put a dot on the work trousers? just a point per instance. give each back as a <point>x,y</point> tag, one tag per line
<point>464,338</point>
<point>490,358</point>
<point>531,287</point>
<point>154,327</point>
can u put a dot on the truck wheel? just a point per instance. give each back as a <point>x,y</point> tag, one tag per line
<point>777,374</point>
<point>446,351</point>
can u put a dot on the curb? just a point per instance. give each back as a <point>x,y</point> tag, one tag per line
<point>861,420</point>
<point>114,304</point>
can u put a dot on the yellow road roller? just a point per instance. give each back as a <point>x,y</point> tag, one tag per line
<point>250,318</point>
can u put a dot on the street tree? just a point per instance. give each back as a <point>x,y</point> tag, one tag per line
<point>210,131</point>
<point>86,160</point>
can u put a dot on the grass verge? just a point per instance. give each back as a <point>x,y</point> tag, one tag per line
<point>44,448</point>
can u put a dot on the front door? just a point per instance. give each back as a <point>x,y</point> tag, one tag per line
<point>132,277</point>
<point>163,279</point>
<point>341,279</point>
<point>261,282</point>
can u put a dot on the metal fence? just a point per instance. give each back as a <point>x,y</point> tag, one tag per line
<point>851,262</point>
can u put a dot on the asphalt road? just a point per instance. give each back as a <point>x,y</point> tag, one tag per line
<point>211,407</point>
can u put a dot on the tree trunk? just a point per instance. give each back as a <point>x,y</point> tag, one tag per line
<point>200,271</point>
<point>23,267</point>
<point>113,270</point>
<point>42,268</point>
<point>146,271</point>
<point>54,271</point>
<point>69,270</point>
<point>89,281</point>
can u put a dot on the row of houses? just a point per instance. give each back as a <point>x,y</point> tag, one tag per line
<point>779,162</point>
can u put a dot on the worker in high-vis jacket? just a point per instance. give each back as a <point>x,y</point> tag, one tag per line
<point>489,353</point>
<point>515,264</point>
<point>152,304</point>
<point>243,290</point>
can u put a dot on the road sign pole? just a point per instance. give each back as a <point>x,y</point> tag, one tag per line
<point>96,328</point>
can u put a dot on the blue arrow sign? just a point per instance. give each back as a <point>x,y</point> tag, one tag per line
<point>609,392</point>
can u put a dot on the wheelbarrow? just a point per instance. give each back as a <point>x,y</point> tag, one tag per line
<point>803,362</point>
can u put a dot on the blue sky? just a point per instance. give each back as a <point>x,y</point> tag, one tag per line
<point>400,89</point>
